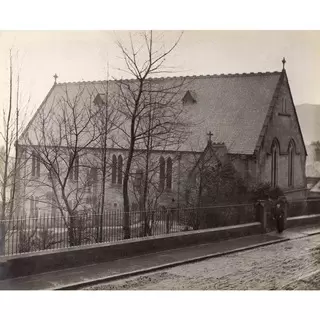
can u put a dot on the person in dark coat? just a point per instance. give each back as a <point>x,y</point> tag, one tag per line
<point>279,213</point>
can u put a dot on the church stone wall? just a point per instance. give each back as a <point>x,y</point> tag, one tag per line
<point>181,166</point>
<point>246,167</point>
<point>283,126</point>
<point>38,188</point>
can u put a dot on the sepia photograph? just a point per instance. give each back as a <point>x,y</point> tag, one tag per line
<point>160,160</point>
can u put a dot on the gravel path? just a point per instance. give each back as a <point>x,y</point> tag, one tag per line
<point>267,268</point>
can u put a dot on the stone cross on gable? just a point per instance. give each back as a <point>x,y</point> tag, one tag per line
<point>55,78</point>
<point>210,134</point>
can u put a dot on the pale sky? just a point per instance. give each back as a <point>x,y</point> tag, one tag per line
<point>83,55</point>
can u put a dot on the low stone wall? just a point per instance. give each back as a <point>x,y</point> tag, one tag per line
<point>303,208</point>
<point>297,213</point>
<point>35,263</point>
<point>303,220</point>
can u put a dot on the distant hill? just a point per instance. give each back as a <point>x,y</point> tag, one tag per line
<point>309,118</point>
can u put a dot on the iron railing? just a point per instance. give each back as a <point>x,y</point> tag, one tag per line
<point>47,232</point>
<point>52,232</point>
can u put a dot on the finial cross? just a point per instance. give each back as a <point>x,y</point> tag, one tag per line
<point>55,78</point>
<point>283,62</point>
<point>210,134</point>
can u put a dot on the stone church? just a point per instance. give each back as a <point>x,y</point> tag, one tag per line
<point>249,118</point>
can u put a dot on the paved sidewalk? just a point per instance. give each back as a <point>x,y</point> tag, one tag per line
<point>78,277</point>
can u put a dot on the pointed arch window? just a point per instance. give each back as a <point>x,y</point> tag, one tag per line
<point>74,167</point>
<point>274,163</point>
<point>317,154</point>
<point>138,181</point>
<point>31,206</point>
<point>35,165</point>
<point>169,174</point>
<point>120,165</point>
<point>162,173</point>
<point>53,205</point>
<point>94,175</point>
<point>291,151</point>
<point>114,169</point>
<point>34,206</point>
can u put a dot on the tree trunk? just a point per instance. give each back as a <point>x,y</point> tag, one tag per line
<point>126,203</point>
<point>104,172</point>
<point>2,238</point>
<point>6,165</point>
<point>145,219</point>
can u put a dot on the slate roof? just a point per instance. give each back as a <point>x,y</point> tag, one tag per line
<point>233,107</point>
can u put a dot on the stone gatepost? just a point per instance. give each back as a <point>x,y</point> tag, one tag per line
<point>261,214</point>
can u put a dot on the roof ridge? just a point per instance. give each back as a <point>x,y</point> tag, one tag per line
<point>221,75</point>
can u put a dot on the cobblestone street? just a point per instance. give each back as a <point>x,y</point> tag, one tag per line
<point>277,266</point>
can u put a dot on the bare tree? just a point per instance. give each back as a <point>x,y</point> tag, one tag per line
<point>157,141</point>
<point>63,139</point>
<point>135,103</point>
<point>106,121</point>
<point>9,155</point>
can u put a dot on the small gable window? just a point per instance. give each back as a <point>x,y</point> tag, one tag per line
<point>100,100</point>
<point>284,105</point>
<point>189,98</point>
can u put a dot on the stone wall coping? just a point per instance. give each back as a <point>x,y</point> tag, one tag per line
<point>305,217</point>
<point>129,241</point>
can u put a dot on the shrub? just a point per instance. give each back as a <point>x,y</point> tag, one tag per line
<point>264,191</point>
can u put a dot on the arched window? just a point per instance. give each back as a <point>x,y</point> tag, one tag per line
<point>34,206</point>
<point>53,205</point>
<point>74,167</point>
<point>169,173</point>
<point>31,207</point>
<point>162,173</point>
<point>317,154</point>
<point>35,165</point>
<point>94,175</point>
<point>138,180</point>
<point>274,163</point>
<point>120,164</point>
<point>114,169</point>
<point>291,150</point>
